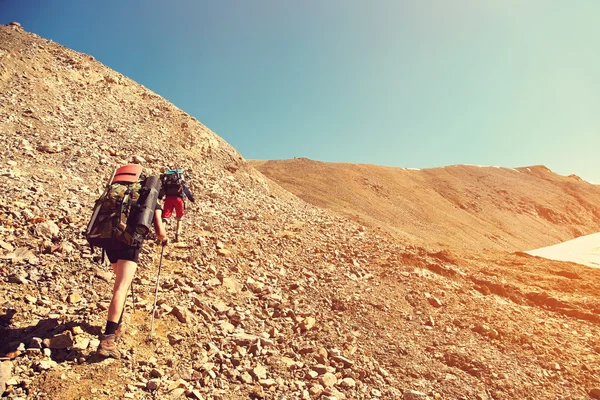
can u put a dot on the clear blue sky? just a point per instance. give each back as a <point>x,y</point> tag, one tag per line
<point>419,83</point>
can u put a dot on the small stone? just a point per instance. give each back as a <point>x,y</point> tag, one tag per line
<point>13,354</point>
<point>257,392</point>
<point>6,368</point>
<point>47,229</point>
<point>181,313</point>
<point>157,373</point>
<point>343,360</point>
<point>138,159</point>
<point>414,395</point>
<point>174,338</point>
<point>227,327</point>
<point>104,275</point>
<point>595,393</point>
<point>288,362</point>
<point>50,147</point>
<point>308,323</point>
<point>176,394</point>
<point>434,302</point>
<point>246,378</point>
<point>35,343</point>
<point>259,372</point>
<point>213,282</point>
<point>322,355</point>
<point>232,285</point>
<point>167,309</point>
<point>323,369</point>
<point>267,382</point>
<point>180,383</point>
<point>21,254</point>
<point>6,246</point>
<point>221,307</point>
<point>45,365</point>
<point>62,341</point>
<point>347,383</point>
<point>224,252</point>
<point>481,328</point>
<point>334,394</point>
<point>153,384</point>
<point>556,366</point>
<point>74,298</point>
<point>81,343</point>
<point>316,390</point>
<point>328,380</point>
<point>77,330</point>
<point>30,299</point>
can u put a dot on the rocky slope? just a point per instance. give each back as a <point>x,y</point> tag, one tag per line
<point>460,206</point>
<point>268,297</point>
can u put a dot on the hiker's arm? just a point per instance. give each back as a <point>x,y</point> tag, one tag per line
<point>188,194</point>
<point>159,228</point>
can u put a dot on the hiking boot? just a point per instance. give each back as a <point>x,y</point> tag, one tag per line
<point>119,332</point>
<point>107,347</point>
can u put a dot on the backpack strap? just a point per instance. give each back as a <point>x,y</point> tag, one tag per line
<point>120,207</point>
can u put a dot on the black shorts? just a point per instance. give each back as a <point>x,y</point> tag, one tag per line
<point>128,254</point>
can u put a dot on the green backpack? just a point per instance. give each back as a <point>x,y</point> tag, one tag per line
<point>123,214</point>
<point>115,207</point>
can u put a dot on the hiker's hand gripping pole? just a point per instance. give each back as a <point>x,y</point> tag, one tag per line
<point>156,289</point>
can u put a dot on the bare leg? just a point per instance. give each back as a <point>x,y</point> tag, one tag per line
<point>125,270</point>
<point>178,231</point>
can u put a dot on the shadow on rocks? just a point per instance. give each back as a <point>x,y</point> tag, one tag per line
<point>47,333</point>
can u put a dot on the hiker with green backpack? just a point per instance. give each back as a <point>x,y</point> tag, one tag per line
<point>119,225</point>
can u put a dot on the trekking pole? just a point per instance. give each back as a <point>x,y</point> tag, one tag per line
<point>133,295</point>
<point>156,289</point>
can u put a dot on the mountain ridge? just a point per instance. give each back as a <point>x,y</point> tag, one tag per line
<point>477,207</point>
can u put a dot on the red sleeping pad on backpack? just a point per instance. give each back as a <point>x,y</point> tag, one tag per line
<point>127,173</point>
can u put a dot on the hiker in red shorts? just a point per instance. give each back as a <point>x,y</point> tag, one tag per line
<point>174,190</point>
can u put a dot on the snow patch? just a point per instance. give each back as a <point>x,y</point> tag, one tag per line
<point>481,166</point>
<point>584,250</point>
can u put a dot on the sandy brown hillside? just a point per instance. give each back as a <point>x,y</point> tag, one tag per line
<point>458,206</point>
<point>268,296</point>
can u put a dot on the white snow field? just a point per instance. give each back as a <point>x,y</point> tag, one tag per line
<point>583,250</point>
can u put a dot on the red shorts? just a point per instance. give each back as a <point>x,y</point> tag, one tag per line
<point>173,202</point>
